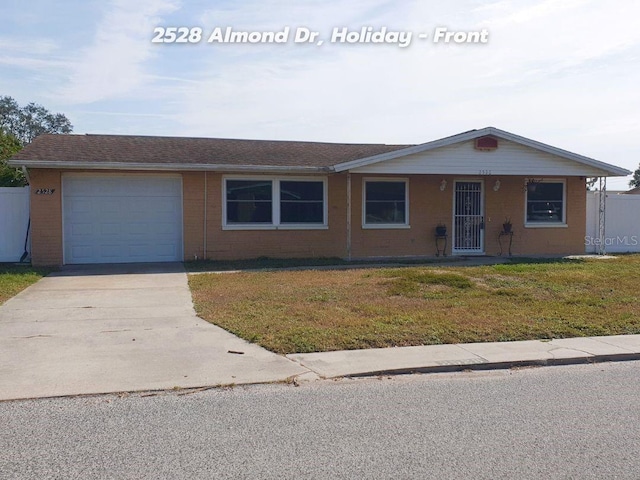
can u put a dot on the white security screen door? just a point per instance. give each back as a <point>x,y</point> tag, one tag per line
<point>468,218</point>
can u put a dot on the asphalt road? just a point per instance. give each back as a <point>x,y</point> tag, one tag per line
<point>574,422</point>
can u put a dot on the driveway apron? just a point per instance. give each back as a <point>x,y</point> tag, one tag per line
<point>119,328</point>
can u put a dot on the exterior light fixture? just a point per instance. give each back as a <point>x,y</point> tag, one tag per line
<point>443,185</point>
<point>496,186</point>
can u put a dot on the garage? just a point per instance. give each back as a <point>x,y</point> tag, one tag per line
<point>122,218</point>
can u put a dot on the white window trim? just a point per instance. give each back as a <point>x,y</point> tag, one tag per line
<point>385,226</point>
<point>275,204</point>
<point>562,224</point>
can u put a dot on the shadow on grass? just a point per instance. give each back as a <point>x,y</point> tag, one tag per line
<point>23,269</point>
<point>542,261</point>
<point>266,263</point>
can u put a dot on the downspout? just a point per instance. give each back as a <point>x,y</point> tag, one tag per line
<point>349,216</point>
<point>204,228</point>
<point>26,174</point>
<point>25,254</point>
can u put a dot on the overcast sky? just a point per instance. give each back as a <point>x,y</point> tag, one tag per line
<point>563,72</point>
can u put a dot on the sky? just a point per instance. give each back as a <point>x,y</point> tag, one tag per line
<point>563,72</point>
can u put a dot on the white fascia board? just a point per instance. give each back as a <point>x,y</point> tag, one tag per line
<point>612,170</point>
<point>608,169</point>
<point>423,147</point>
<point>165,167</point>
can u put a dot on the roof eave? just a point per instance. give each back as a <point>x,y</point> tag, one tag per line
<point>170,167</point>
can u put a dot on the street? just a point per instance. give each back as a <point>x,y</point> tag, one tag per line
<point>551,422</point>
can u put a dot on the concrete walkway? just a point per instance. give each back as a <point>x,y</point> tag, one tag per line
<point>120,328</point>
<point>445,358</point>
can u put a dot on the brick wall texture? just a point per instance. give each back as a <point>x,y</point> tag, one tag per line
<point>428,206</point>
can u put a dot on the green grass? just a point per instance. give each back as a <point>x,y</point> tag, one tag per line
<point>322,310</point>
<point>15,278</point>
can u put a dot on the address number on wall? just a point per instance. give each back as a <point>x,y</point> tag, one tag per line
<point>45,191</point>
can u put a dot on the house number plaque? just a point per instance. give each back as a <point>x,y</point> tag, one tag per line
<point>45,191</point>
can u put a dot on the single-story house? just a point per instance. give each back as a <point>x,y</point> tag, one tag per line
<point>120,198</point>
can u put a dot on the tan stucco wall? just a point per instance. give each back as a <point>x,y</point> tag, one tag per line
<point>193,215</point>
<point>230,244</point>
<point>550,240</point>
<point>46,218</point>
<point>428,206</point>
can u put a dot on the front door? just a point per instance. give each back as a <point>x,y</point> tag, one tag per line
<point>468,218</point>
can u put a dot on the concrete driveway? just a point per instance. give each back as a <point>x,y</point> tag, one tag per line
<point>120,328</point>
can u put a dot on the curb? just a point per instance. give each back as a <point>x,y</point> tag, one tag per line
<point>622,357</point>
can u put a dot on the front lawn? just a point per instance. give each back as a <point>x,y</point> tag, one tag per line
<point>322,310</point>
<point>15,278</point>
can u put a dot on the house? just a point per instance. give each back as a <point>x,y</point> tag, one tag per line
<point>633,191</point>
<point>117,198</point>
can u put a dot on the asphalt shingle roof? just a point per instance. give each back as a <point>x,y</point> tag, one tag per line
<point>194,151</point>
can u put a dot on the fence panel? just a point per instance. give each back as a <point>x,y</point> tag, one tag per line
<point>14,218</point>
<point>622,223</point>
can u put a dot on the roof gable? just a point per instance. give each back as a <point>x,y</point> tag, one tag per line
<point>522,156</point>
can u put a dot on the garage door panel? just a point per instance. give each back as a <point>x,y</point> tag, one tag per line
<point>119,219</point>
<point>82,252</point>
<point>110,229</point>
<point>81,229</point>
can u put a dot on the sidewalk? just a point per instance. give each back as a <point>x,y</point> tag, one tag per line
<point>477,356</point>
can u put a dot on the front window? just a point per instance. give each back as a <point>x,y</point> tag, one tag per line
<point>385,202</point>
<point>273,202</point>
<point>545,202</point>
<point>249,201</point>
<point>301,202</point>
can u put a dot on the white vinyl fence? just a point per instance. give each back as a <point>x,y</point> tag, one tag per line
<point>14,218</point>
<point>622,223</point>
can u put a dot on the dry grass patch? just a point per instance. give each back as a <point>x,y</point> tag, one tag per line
<point>305,311</point>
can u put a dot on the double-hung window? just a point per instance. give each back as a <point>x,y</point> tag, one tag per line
<point>546,203</point>
<point>385,203</point>
<point>275,203</point>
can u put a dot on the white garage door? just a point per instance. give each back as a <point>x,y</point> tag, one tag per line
<point>122,218</point>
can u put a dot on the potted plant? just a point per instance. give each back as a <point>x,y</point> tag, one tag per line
<point>441,230</point>
<point>506,226</point>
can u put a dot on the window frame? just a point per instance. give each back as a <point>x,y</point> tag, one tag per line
<point>563,223</point>
<point>275,203</point>
<point>385,226</point>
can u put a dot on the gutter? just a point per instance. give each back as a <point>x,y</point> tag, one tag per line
<point>203,167</point>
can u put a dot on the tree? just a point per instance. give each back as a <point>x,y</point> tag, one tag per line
<point>9,176</point>
<point>18,127</point>
<point>635,181</point>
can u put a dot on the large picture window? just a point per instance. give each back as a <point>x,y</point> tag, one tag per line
<point>385,203</point>
<point>274,202</point>
<point>546,203</point>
